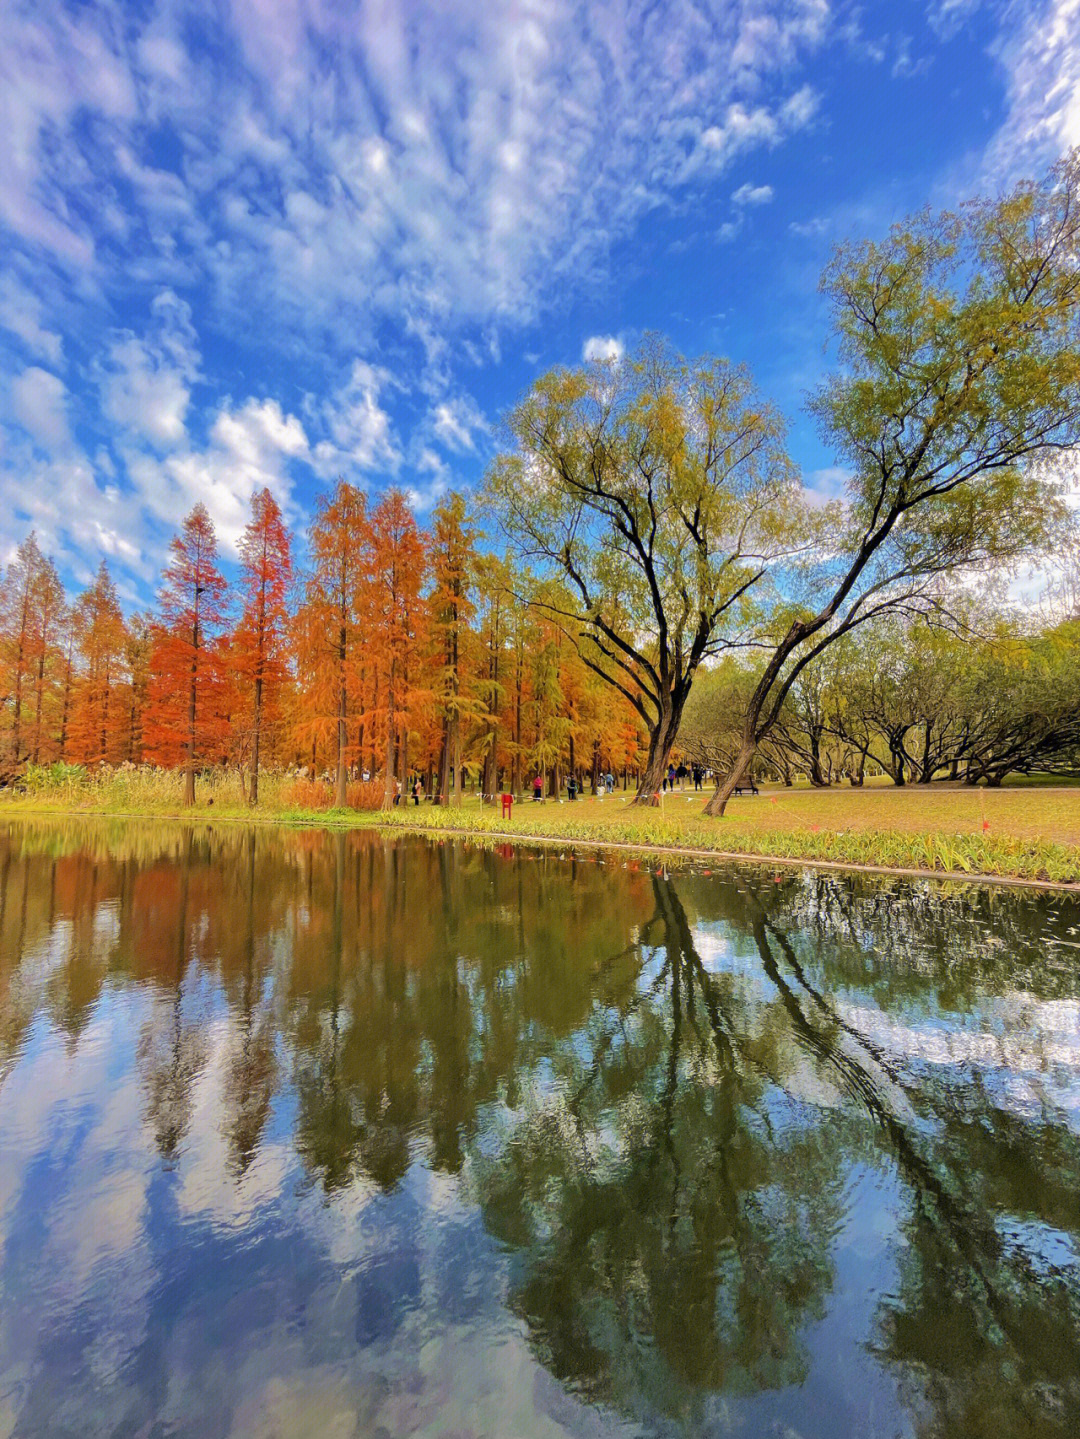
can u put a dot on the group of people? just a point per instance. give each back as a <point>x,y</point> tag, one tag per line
<point>681,774</point>
<point>605,785</point>
<point>416,789</point>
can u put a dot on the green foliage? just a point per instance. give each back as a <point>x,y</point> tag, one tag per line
<point>49,778</point>
<point>657,492</point>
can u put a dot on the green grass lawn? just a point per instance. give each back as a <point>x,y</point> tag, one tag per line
<point>1021,831</point>
<point>1031,833</point>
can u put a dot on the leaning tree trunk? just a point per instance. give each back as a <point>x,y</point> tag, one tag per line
<point>726,787</point>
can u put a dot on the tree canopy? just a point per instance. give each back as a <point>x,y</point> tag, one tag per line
<point>959,346</point>
<point>658,491</point>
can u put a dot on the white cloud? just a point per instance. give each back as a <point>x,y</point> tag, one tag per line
<point>250,447</point>
<point>39,403</point>
<point>450,171</point>
<point>21,314</point>
<point>60,496</point>
<point>947,16</point>
<point>827,484</point>
<point>405,184</point>
<point>456,422</point>
<point>811,229</point>
<point>602,349</point>
<point>146,383</point>
<point>752,195</point>
<point>1039,50</point>
<point>361,432</point>
<point>799,109</point>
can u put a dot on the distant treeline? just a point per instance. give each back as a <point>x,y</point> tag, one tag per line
<point>977,700</point>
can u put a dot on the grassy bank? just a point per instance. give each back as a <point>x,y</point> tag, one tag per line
<point>1019,832</point>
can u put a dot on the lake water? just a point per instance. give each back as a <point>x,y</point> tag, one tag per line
<point>341,1135</point>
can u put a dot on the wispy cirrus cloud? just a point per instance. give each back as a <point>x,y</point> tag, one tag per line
<point>369,192</point>
<point>1038,49</point>
<point>389,181</point>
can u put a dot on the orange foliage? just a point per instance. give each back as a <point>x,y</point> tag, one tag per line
<point>395,627</point>
<point>408,652</point>
<point>327,631</point>
<point>259,642</point>
<point>98,712</point>
<point>187,710</point>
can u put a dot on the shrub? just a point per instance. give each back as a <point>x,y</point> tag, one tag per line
<point>41,778</point>
<point>308,794</point>
<point>365,794</point>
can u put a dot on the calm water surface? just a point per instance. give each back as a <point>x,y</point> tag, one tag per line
<point>316,1134</point>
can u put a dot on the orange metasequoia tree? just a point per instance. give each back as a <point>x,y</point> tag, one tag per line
<point>184,711</point>
<point>338,546</point>
<point>259,643</point>
<point>50,614</point>
<point>397,567</point>
<point>101,638</point>
<point>19,645</point>
<point>451,609</point>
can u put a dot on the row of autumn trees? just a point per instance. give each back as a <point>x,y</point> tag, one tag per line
<point>395,652</point>
<point>658,534</point>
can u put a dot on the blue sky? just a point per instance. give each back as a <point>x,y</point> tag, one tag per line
<point>275,241</point>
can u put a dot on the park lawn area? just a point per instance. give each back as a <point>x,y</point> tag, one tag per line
<point>1016,832</point>
<point>1020,831</point>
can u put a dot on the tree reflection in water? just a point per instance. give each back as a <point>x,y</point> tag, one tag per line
<point>726,1150</point>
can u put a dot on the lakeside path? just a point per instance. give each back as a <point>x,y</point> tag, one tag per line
<point>1025,834</point>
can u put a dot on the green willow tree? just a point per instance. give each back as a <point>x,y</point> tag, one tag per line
<point>658,491</point>
<point>960,340</point>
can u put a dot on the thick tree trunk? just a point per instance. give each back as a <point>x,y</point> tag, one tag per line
<point>491,775</point>
<point>442,793</point>
<point>65,708</point>
<point>926,774</point>
<point>661,742</point>
<point>726,787</point>
<point>817,778</point>
<point>20,657</point>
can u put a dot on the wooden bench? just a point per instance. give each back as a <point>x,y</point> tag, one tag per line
<point>744,785</point>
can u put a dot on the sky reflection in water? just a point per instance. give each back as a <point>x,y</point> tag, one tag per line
<point>341,1135</point>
